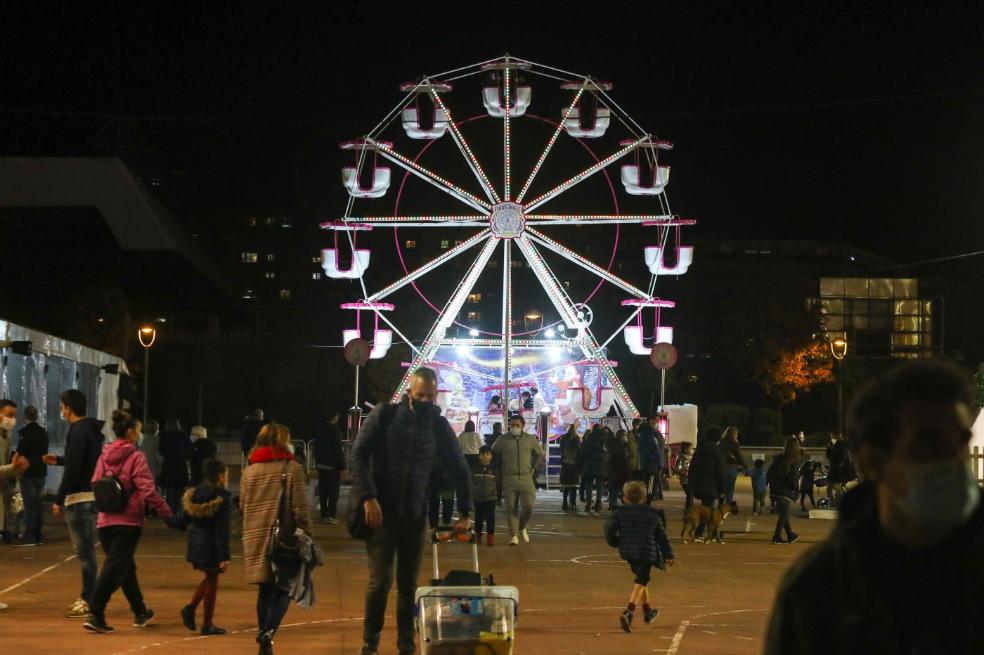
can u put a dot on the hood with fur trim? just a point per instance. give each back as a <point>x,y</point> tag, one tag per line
<point>203,501</point>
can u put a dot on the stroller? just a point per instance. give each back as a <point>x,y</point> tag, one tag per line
<point>460,615</point>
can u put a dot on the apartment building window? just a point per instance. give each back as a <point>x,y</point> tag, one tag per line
<point>410,244</point>
<point>271,257</point>
<point>248,257</point>
<point>251,221</point>
<point>474,298</point>
<point>474,317</point>
<point>270,275</point>
<point>315,276</point>
<point>285,294</point>
<point>445,244</point>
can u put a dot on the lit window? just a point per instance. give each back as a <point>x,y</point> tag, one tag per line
<point>444,244</point>
<point>567,284</point>
<point>285,294</point>
<point>493,263</point>
<point>692,379</point>
<point>270,220</point>
<point>249,295</point>
<point>285,223</point>
<point>457,243</point>
<point>270,275</point>
<point>474,298</point>
<point>474,316</point>
<point>315,276</point>
<point>316,260</point>
<point>409,244</point>
<point>251,221</point>
<point>248,257</point>
<point>271,257</point>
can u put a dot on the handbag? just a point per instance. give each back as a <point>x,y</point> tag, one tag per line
<point>284,552</point>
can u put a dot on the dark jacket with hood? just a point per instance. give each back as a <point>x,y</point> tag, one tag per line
<point>83,445</point>
<point>616,463</point>
<point>708,471</point>
<point>650,450</point>
<point>393,455</point>
<point>33,444</point>
<point>638,533</point>
<point>328,453</point>
<point>206,512</point>
<point>592,454</point>
<point>889,599</point>
<point>784,478</point>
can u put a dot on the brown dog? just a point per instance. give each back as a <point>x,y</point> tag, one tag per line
<point>711,517</point>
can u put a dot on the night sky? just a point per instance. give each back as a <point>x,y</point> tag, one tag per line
<point>847,122</point>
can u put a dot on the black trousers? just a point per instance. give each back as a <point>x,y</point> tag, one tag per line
<point>402,541</point>
<point>119,542</point>
<point>271,606</point>
<point>329,483</point>
<point>440,505</point>
<point>173,494</point>
<point>485,516</point>
<point>807,494</point>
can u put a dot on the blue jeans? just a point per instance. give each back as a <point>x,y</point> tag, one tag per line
<point>81,521</point>
<point>32,490</point>
<point>731,480</point>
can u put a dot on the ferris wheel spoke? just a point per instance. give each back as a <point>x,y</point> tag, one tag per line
<point>429,176</point>
<point>608,219</point>
<point>506,155</point>
<point>418,221</point>
<point>550,143</point>
<point>466,151</point>
<point>555,292</point>
<point>572,256</point>
<point>429,266</point>
<point>448,314</point>
<point>583,175</point>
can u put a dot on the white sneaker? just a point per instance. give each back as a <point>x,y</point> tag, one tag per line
<point>3,606</point>
<point>514,541</point>
<point>526,535</point>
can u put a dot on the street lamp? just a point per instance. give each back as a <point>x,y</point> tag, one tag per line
<point>838,348</point>
<point>147,336</point>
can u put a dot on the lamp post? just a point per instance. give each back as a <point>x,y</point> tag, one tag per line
<point>147,336</point>
<point>838,348</point>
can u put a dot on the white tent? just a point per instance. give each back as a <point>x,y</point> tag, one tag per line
<point>683,423</point>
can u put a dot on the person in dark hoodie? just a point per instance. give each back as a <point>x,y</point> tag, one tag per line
<point>708,475</point>
<point>783,479</point>
<point>175,447</point>
<point>616,467</point>
<point>903,566</point>
<point>119,532</point>
<point>83,445</point>
<point>391,462</point>
<point>206,513</point>
<point>252,425</point>
<point>200,450</point>
<point>592,455</point>
<point>33,444</point>
<point>330,461</point>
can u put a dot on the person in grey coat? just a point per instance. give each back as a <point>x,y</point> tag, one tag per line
<point>518,454</point>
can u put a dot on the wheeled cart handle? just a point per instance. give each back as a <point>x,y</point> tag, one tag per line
<point>446,533</point>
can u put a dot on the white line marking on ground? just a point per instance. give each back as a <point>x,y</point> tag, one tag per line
<point>677,638</point>
<point>36,575</point>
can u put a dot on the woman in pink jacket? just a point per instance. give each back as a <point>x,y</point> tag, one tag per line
<point>119,532</point>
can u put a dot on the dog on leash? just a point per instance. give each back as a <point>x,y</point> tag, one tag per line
<point>711,517</point>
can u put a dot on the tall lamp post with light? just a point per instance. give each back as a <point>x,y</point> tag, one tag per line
<point>147,336</point>
<point>838,348</point>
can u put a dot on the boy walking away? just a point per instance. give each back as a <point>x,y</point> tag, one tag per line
<point>637,530</point>
<point>206,511</point>
<point>760,484</point>
<point>486,494</point>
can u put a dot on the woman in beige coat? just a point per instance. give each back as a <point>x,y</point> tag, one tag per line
<point>259,502</point>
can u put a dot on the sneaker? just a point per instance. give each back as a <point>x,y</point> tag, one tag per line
<point>96,623</point>
<point>778,541</point>
<point>141,619</point>
<point>331,520</point>
<point>651,615</point>
<point>625,618</point>
<point>526,535</point>
<point>80,610</point>
<point>188,617</point>
<point>3,606</point>
<point>514,541</point>
<point>792,539</point>
<point>212,631</point>
<point>29,543</point>
<point>698,540</point>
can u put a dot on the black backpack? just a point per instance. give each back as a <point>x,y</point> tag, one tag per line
<point>111,495</point>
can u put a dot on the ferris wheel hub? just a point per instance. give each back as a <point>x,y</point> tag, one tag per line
<point>508,220</point>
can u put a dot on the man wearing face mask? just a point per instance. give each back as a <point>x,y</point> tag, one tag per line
<point>518,456</point>
<point>903,565</point>
<point>391,462</point>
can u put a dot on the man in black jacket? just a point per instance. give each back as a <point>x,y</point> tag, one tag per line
<point>392,459</point>
<point>33,444</point>
<point>83,445</point>
<point>252,425</point>
<point>709,472</point>
<point>330,462</point>
<point>903,567</point>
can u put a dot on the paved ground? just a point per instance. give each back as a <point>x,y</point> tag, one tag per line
<point>572,587</point>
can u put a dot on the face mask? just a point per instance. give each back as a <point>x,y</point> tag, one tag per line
<point>422,407</point>
<point>515,431</point>
<point>941,495</point>
<point>8,423</point>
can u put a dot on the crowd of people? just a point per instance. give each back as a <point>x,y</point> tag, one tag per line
<point>918,503</point>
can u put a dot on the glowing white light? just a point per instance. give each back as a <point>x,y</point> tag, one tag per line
<point>473,332</point>
<point>561,328</point>
<point>550,333</point>
<point>463,350</point>
<point>555,352</point>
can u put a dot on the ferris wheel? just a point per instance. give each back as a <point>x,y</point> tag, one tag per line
<point>507,220</point>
